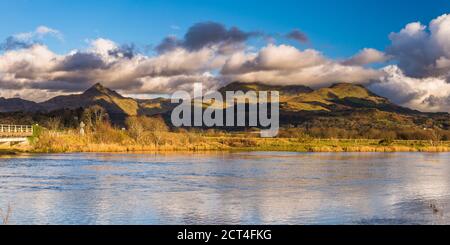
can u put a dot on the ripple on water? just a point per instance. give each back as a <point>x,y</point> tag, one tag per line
<point>228,188</point>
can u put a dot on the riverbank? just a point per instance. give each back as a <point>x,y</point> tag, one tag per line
<point>65,143</point>
<point>9,152</point>
<point>153,136</point>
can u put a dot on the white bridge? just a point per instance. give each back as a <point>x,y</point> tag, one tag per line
<point>15,133</point>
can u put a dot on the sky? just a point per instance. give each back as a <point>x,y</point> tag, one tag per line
<point>338,27</point>
<point>399,49</point>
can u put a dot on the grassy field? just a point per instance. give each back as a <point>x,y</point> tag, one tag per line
<point>150,135</point>
<point>341,145</point>
<point>65,142</point>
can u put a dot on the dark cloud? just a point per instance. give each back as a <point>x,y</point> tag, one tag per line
<point>125,51</point>
<point>207,33</point>
<point>413,54</point>
<point>81,61</point>
<point>436,101</point>
<point>23,69</point>
<point>61,85</point>
<point>12,43</point>
<point>298,36</point>
<point>169,43</point>
<point>394,93</point>
<point>8,85</point>
<point>204,34</point>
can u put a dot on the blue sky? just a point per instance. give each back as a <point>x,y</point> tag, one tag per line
<point>339,28</point>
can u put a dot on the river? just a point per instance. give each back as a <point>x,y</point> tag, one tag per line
<point>227,188</point>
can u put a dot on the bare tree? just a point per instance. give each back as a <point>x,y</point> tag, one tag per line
<point>146,129</point>
<point>154,124</point>
<point>157,137</point>
<point>54,123</point>
<point>94,115</point>
<point>135,128</point>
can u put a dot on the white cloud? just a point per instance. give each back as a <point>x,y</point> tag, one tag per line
<point>367,56</point>
<point>425,94</point>
<point>102,46</point>
<point>39,68</point>
<point>284,57</point>
<point>44,72</point>
<point>39,33</point>
<point>421,51</point>
<point>285,64</point>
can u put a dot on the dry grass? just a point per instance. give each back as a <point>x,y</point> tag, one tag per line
<point>114,140</point>
<point>109,139</point>
<point>5,216</point>
<point>151,135</point>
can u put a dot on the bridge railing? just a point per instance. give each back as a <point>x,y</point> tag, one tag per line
<point>16,130</point>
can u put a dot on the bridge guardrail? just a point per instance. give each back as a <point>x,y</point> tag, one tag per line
<point>16,130</point>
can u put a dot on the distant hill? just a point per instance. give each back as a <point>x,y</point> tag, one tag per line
<point>17,104</point>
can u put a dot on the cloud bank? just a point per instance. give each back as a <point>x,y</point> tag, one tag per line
<point>421,77</point>
<point>211,53</point>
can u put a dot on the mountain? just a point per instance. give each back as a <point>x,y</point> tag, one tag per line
<point>338,97</point>
<point>113,102</point>
<point>156,106</point>
<point>346,108</point>
<point>17,104</point>
<point>342,106</point>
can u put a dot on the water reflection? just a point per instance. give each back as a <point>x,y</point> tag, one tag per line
<point>228,188</point>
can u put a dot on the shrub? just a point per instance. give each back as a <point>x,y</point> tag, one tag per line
<point>53,123</point>
<point>385,142</point>
<point>105,133</point>
<point>135,128</point>
<point>146,130</point>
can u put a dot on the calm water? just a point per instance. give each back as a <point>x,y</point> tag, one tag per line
<point>228,188</point>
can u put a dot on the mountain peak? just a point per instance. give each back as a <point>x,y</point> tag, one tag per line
<point>98,86</point>
<point>98,89</point>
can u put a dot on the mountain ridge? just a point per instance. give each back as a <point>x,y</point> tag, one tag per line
<point>18,104</point>
<point>339,95</point>
<point>340,105</point>
<point>112,101</point>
